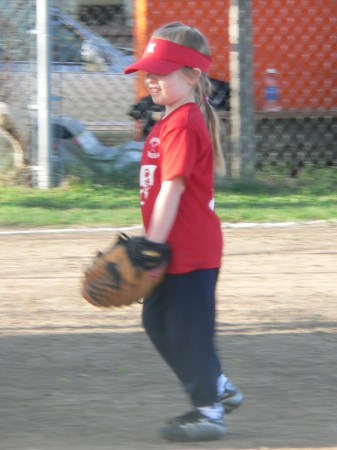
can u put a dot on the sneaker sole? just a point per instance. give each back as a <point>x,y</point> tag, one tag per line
<point>188,434</point>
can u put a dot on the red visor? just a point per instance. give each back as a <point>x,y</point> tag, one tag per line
<point>162,57</point>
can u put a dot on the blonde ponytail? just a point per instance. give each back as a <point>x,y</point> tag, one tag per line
<point>203,91</point>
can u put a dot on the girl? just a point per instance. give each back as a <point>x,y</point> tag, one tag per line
<point>176,189</point>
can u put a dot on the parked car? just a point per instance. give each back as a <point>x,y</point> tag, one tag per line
<point>72,44</point>
<point>77,151</point>
<point>87,79</point>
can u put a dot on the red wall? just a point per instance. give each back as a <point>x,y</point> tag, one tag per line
<point>299,39</point>
<point>296,37</point>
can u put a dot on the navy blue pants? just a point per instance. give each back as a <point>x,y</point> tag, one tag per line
<point>179,318</point>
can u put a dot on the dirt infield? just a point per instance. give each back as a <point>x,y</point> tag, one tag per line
<point>76,377</point>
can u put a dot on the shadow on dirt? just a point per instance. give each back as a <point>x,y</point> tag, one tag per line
<point>83,389</point>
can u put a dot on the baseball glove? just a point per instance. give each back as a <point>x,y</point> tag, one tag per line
<point>126,272</point>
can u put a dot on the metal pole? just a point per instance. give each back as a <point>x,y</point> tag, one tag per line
<point>241,80</point>
<point>234,70</point>
<point>43,94</point>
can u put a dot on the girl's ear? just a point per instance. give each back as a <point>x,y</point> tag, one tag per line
<point>196,76</point>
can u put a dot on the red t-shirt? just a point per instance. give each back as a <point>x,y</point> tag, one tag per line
<point>180,145</point>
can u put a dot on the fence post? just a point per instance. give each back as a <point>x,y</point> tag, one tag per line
<point>241,80</point>
<point>43,94</point>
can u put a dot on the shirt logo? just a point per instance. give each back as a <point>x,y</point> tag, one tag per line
<point>151,47</point>
<point>146,182</point>
<point>153,153</point>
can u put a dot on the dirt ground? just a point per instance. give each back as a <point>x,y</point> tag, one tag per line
<point>76,377</point>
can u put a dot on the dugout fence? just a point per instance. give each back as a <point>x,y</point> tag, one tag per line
<point>279,58</point>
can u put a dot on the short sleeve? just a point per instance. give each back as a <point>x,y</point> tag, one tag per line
<point>178,153</point>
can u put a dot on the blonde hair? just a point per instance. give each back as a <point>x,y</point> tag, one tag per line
<point>192,38</point>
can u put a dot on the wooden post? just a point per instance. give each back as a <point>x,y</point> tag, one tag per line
<point>140,39</point>
<point>241,82</point>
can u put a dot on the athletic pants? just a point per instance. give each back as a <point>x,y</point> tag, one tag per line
<point>179,318</point>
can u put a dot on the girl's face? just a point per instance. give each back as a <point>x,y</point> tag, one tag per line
<point>172,90</point>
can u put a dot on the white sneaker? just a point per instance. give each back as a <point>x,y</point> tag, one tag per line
<point>231,398</point>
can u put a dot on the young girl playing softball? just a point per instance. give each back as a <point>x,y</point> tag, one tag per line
<point>177,203</point>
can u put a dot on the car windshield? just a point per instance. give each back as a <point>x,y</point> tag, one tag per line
<point>66,45</point>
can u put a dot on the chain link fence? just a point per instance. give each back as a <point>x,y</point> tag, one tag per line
<point>291,56</point>
<point>87,82</point>
<point>295,82</point>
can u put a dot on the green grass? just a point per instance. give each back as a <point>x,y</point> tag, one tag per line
<point>269,198</point>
